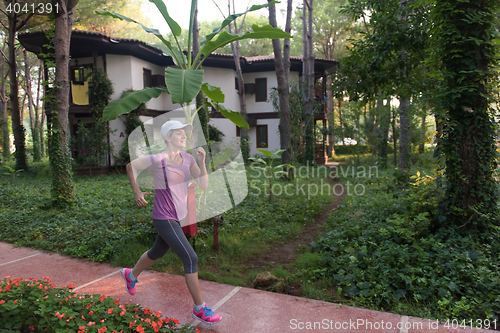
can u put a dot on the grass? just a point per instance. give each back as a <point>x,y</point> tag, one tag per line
<point>105,224</point>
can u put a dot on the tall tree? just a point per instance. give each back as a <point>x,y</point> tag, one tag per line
<point>389,60</point>
<point>282,67</point>
<point>15,21</point>
<point>200,98</point>
<point>332,30</point>
<point>31,104</point>
<point>40,123</point>
<point>308,76</point>
<point>62,181</point>
<point>464,45</point>
<point>3,106</point>
<point>404,101</point>
<point>235,47</point>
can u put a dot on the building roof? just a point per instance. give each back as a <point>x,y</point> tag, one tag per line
<point>87,44</point>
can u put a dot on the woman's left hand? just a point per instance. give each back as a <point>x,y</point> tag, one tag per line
<point>200,154</point>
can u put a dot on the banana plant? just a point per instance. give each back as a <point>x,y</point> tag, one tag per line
<point>268,169</point>
<point>185,80</point>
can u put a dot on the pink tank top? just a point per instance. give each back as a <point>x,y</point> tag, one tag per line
<point>171,186</point>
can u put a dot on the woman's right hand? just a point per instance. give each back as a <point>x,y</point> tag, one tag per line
<point>139,198</point>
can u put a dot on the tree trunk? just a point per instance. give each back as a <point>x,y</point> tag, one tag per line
<point>467,133</point>
<point>405,134</point>
<point>395,137</point>
<point>404,112</point>
<point>331,116</point>
<point>308,74</point>
<point>283,90</point>
<point>33,120</point>
<point>62,181</point>
<point>43,111</point>
<point>385,119</point>
<point>200,98</point>
<point>341,120</point>
<point>17,125</point>
<point>3,109</point>
<point>37,149</point>
<point>235,47</point>
<point>421,147</point>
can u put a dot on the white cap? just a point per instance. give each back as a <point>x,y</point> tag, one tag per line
<point>173,125</point>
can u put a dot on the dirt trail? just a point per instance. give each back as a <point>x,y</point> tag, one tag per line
<point>286,253</point>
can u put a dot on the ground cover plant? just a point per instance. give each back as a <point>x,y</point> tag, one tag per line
<point>37,305</point>
<point>386,250</point>
<point>106,225</point>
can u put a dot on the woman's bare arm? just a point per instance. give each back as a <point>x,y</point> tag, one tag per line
<point>137,164</point>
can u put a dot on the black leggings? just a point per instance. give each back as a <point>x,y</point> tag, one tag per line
<point>170,235</point>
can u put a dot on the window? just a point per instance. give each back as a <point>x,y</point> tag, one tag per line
<point>238,131</point>
<point>262,136</point>
<point>147,77</point>
<point>261,90</point>
<point>80,74</point>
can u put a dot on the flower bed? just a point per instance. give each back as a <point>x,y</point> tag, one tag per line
<point>37,305</point>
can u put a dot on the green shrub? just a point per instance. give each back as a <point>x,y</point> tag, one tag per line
<point>386,250</point>
<point>37,305</point>
<point>352,149</point>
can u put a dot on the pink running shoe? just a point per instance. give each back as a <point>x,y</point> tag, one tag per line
<point>129,284</point>
<point>206,315</point>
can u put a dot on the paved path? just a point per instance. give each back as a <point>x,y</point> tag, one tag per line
<point>243,309</point>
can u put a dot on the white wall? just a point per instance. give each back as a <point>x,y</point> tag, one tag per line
<point>138,82</point>
<point>119,69</point>
<point>252,105</point>
<point>224,78</point>
<point>117,126</point>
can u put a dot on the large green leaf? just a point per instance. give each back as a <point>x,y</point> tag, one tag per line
<point>233,17</point>
<point>155,32</point>
<point>212,92</point>
<point>174,27</point>
<point>225,38</point>
<point>234,116</point>
<point>222,157</point>
<point>130,101</point>
<point>266,153</point>
<point>175,53</point>
<point>183,84</point>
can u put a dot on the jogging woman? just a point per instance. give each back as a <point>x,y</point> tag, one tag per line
<point>171,171</point>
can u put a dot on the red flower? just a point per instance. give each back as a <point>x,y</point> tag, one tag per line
<point>110,310</point>
<point>140,329</point>
<point>102,330</point>
<point>176,321</point>
<point>2,301</point>
<point>132,323</point>
<point>15,301</point>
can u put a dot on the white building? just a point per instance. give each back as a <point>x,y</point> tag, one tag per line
<point>132,64</point>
